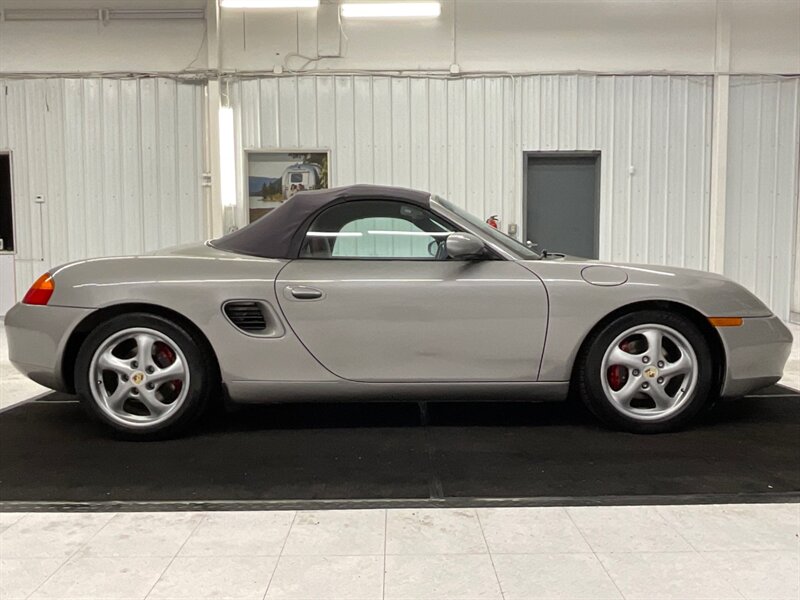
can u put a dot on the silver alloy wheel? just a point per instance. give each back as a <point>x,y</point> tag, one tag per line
<point>139,377</point>
<point>649,372</point>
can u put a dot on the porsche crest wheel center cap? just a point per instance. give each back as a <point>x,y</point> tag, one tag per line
<point>137,378</point>
<point>650,372</point>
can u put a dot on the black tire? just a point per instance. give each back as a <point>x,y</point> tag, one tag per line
<point>203,378</point>
<point>589,372</point>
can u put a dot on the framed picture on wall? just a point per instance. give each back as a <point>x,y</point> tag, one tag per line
<point>273,177</point>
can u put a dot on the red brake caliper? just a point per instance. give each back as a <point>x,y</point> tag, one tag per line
<point>616,377</point>
<point>617,374</point>
<point>165,356</point>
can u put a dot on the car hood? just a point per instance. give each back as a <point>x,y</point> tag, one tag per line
<point>710,293</point>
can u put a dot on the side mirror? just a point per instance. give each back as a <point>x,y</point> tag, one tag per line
<point>464,246</point>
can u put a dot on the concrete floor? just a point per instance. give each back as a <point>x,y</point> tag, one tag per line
<point>685,552</point>
<point>647,552</point>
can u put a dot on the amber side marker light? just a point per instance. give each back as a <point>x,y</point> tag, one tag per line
<point>726,321</point>
<point>40,291</point>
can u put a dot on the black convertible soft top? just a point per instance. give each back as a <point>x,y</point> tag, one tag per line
<point>279,233</point>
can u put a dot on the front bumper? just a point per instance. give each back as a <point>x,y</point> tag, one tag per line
<point>756,354</point>
<point>37,336</point>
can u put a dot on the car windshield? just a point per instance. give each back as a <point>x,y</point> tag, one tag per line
<point>498,237</point>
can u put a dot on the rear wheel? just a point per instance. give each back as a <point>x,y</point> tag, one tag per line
<point>143,376</point>
<point>647,372</point>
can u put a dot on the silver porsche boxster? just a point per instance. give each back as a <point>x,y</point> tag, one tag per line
<point>368,292</point>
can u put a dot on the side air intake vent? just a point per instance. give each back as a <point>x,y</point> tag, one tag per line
<point>254,317</point>
<point>247,316</point>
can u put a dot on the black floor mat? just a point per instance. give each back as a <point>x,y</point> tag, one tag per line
<point>457,453</point>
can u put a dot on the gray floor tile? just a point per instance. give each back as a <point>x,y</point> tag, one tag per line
<point>51,535</point>
<point>216,577</point>
<point>441,577</point>
<point>434,531</point>
<point>627,529</point>
<point>143,534</point>
<point>327,577</point>
<point>239,534</point>
<point>337,533</point>
<point>552,576</point>
<point>530,530</point>
<point>667,575</point>
<point>736,527</point>
<point>21,576</point>
<point>91,578</point>
<point>759,574</point>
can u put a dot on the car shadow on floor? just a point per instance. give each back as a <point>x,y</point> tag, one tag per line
<point>517,413</point>
<point>398,414</point>
<point>771,405</point>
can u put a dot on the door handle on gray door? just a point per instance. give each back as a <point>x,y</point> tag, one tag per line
<point>306,293</point>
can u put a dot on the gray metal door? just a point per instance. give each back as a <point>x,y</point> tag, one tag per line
<point>562,203</point>
<point>397,320</point>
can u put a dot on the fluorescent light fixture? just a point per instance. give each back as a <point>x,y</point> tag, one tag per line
<point>335,234</point>
<point>269,3</point>
<point>390,10</point>
<point>227,157</point>
<point>58,14</point>
<point>103,14</point>
<point>156,13</point>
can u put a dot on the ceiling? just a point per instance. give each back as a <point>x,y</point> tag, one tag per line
<point>97,4</point>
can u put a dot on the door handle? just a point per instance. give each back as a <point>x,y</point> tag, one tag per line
<point>306,293</point>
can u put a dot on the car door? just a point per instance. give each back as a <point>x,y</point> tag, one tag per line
<point>373,298</point>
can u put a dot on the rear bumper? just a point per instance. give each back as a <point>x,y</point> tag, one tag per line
<point>37,336</point>
<point>756,354</point>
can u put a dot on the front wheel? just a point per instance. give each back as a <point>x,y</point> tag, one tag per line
<point>144,376</point>
<point>647,372</point>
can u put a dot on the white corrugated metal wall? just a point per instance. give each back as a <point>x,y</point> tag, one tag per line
<point>465,138</point>
<point>124,156</point>
<point>762,188</point>
<point>118,163</point>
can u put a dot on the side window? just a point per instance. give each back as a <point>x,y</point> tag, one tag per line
<point>377,229</point>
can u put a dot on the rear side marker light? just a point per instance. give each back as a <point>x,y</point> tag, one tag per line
<point>726,321</point>
<point>40,291</point>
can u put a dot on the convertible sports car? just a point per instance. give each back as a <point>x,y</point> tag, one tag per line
<point>375,292</point>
